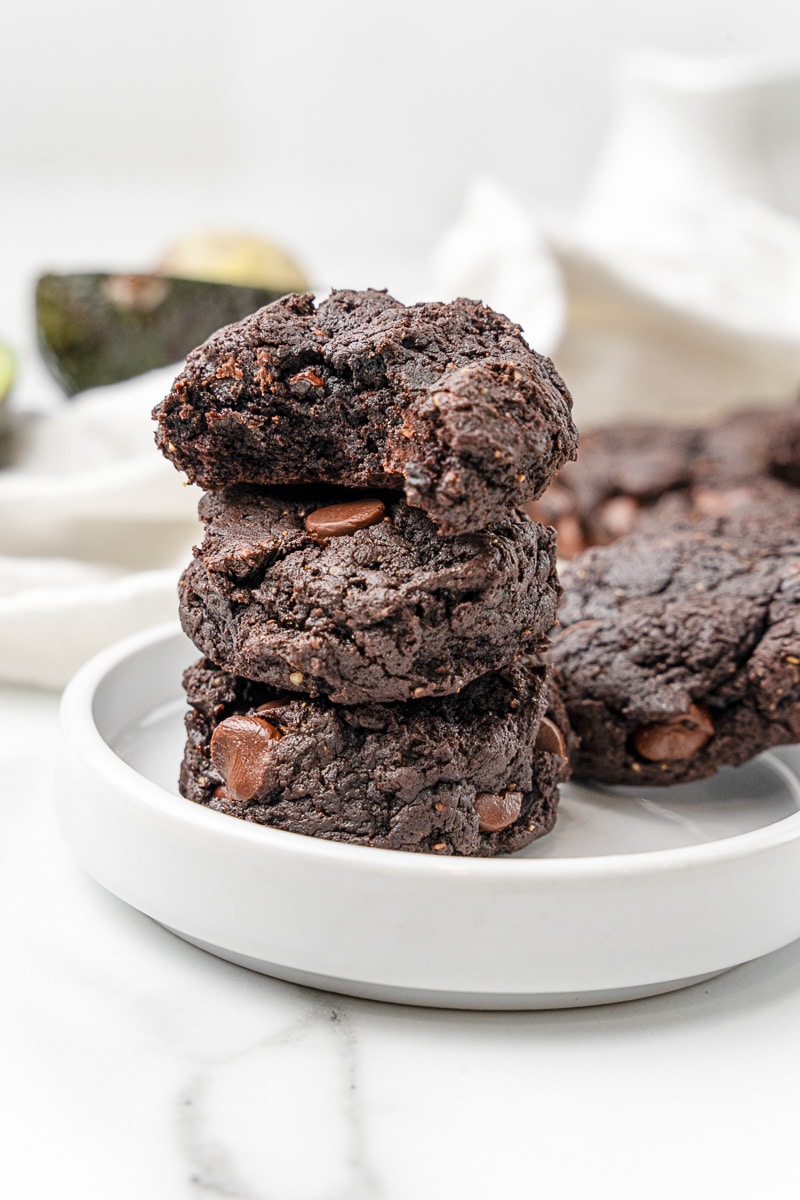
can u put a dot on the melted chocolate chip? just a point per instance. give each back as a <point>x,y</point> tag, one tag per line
<point>721,502</point>
<point>570,540</point>
<point>556,510</point>
<point>496,812</point>
<point>240,748</point>
<point>679,738</point>
<point>338,520</point>
<point>618,516</point>
<point>536,511</point>
<point>550,739</point>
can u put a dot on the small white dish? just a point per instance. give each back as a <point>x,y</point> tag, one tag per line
<point>633,894</point>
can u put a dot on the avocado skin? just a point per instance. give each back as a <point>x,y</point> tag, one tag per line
<point>95,328</point>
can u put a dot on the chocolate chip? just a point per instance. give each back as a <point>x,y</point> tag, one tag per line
<point>240,748</point>
<point>618,516</point>
<point>555,511</point>
<point>497,811</point>
<point>679,738</point>
<point>550,739</point>
<point>569,537</point>
<point>538,512</point>
<point>721,502</point>
<point>337,520</point>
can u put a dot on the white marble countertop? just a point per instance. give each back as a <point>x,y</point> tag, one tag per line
<point>134,1065</point>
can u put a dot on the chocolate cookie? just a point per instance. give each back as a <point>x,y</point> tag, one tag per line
<point>619,471</point>
<point>679,651</point>
<point>358,597</point>
<point>472,774</point>
<point>762,497</point>
<point>749,444</point>
<point>445,402</point>
<point>625,471</point>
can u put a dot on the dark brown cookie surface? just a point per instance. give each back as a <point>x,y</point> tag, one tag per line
<point>361,599</point>
<point>458,775</point>
<point>623,473</point>
<point>445,402</point>
<point>679,650</point>
<point>761,498</point>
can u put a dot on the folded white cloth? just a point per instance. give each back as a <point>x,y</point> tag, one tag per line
<point>628,344</point>
<point>95,527</point>
<point>675,292</point>
<point>497,250</point>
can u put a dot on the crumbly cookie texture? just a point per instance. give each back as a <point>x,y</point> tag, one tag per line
<point>679,649</point>
<point>361,599</point>
<point>628,473</point>
<point>445,402</point>
<point>472,774</point>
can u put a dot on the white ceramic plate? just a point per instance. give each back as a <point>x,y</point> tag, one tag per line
<point>634,893</point>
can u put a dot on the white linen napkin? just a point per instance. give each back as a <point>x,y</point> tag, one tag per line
<point>95,527</point>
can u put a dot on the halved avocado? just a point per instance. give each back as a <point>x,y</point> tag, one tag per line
<point>97,329</point>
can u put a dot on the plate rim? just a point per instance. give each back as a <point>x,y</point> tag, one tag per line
<point>82,734</point>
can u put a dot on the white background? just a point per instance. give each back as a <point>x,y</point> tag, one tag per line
<point>133,1065</point>
<point>348,128</point>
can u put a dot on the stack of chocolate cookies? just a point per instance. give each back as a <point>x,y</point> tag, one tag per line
<point>368,596</point>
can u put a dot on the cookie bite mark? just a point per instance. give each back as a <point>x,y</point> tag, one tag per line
<point>445,402</point>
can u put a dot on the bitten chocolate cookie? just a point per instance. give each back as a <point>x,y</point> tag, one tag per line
<point>472,774</point>
<point>445,402</point>
<point>623,472</point>
<point>679,650</point>
<point>358,597</point>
